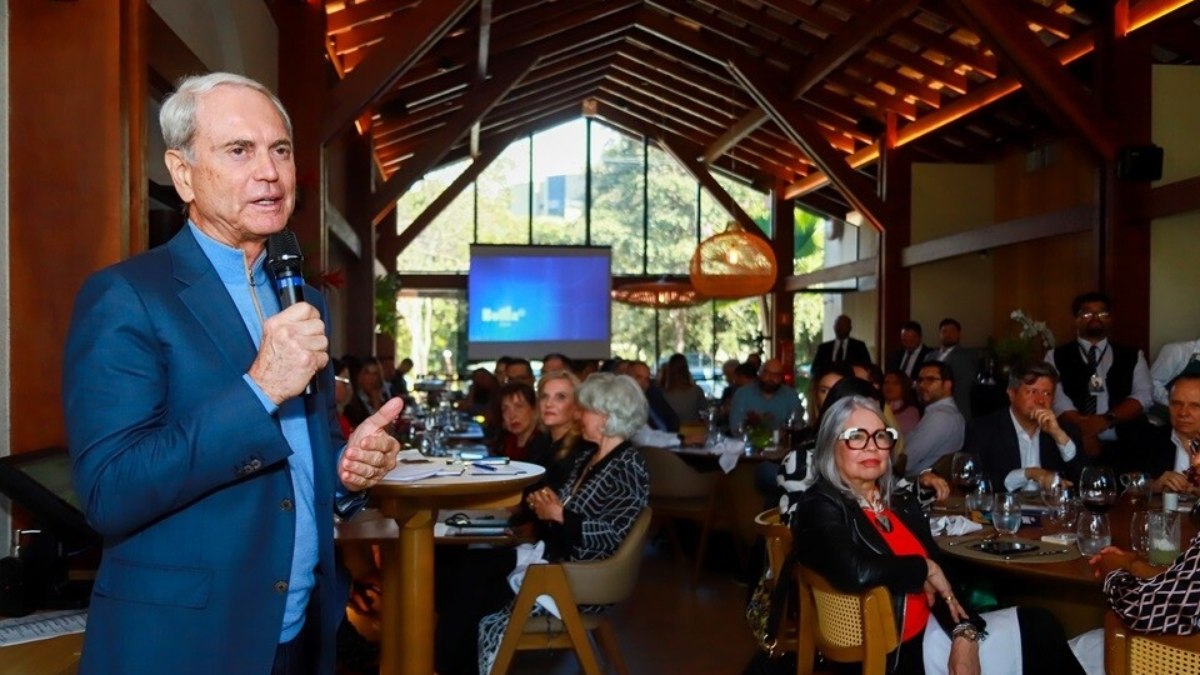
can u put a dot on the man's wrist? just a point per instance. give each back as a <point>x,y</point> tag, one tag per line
<point>967,631</point>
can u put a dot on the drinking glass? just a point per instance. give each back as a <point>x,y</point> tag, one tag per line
<point>1139,534</point>
<point>1094,533</point>
<point>964,474</point>
<point>1052,493</point>
<point>1063,516</point>
<point>1163,537</point>
<point>1097,489</point>
<point>1006,513</point>
<point>980,497</point>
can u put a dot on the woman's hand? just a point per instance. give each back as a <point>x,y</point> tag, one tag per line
<point>931,481</point>
<point>964,657</point>
<point>937,586</point>
<point>545,505</point>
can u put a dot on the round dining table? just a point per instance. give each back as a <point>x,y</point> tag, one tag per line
<point>407,620</point>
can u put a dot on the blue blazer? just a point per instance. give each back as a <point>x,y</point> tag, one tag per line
<point>183,473</point>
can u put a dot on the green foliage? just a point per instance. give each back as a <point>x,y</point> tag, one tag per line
<point>387,319</point>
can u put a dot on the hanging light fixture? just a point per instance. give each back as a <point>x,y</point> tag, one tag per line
<point>733,264</point>
<point>661,294</point>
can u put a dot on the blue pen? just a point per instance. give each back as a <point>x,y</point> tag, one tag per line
<point>485,467</point>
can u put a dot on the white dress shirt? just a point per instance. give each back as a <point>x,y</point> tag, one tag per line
<point>1182,459</point>
<point>1031,455</point>
<point>1172,359</point>
<point>1141,391</point>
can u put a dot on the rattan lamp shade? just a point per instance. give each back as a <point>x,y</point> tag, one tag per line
<point>660,294</point>
<point>733,264</point>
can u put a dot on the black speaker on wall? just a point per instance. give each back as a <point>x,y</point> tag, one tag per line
<point>1140,162</point>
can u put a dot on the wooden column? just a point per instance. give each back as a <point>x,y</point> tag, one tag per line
<point>783,242</point>
<point>895,288</point>
<point>77,73</point>
<point>303,74</point>
<point>360,274</point>
<point>1122,243</point>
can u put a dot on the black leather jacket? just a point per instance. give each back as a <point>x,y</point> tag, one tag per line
<point>835,539</point>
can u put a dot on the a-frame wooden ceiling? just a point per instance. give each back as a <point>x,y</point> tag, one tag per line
<point>776,92</point>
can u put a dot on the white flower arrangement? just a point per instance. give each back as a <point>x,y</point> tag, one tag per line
<point>1033,330</point>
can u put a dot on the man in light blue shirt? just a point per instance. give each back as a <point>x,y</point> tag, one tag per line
<point>768,396</point>
<point>941,430</point>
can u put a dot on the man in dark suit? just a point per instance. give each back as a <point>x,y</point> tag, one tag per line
<point>912,352</point>
<point>1170,456</point>
<point>1023,446</point>
<point>963,362</point>
<point>842,349</point>
<point>212,479</point>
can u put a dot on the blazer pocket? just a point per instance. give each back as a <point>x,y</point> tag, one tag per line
<point>155,584</point>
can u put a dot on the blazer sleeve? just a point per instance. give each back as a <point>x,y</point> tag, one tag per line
<point>134,460</point>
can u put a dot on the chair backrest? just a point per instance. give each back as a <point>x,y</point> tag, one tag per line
<point>778,538</point>
<point>670,476</point>
<point>609,581</point>
<point>1130,653</point>
<point>845,627</point>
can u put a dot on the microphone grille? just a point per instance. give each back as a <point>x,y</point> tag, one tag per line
<point>283,251</point>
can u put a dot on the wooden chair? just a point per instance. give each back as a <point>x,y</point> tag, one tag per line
<point>679,491</point>
<point>844,627</point>
<point>597,582</point>
<point>1129,653</point>
<point>778,539</point>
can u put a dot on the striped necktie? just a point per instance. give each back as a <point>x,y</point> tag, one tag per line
<point>1089,405</point>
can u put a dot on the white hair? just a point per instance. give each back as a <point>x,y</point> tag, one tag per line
<point>178,114</point>
<point>620,398</point>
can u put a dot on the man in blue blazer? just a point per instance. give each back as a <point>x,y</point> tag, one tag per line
<point>213,479</point>
<point>1022,446</point>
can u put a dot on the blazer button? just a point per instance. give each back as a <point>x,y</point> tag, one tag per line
<point>286,504</point>
<point>281,586</point>
<point>255,465</point>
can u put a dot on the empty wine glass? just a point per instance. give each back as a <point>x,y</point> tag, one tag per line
<point>1052,492</point>
<point>965,474</point>
<point>980,498</point>
<point>1139,534</point>
<point>1006,513</point>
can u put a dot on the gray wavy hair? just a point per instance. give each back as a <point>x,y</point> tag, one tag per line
<point>620,398</point>
<point>833,423</point>
<point>177,117</point>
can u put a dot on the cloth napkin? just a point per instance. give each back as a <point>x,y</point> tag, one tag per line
<point>952,526</point>
<point>654,438</point>
<point>531,554</point>
<point>728,452</point>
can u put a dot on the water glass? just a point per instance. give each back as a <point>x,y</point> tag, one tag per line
<point>1006,513</point>
<point>1139,534</point>
<point>980,498</point>
<point>1163,535</point>
<point>1062,517</point>
<point>1094,533</point>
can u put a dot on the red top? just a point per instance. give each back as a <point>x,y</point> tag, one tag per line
<point>511,450</point>
<point>904,542</point>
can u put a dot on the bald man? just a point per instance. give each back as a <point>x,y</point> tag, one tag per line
<point>768,396</point>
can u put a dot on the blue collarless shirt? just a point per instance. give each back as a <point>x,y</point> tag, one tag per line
<point>241,283</point>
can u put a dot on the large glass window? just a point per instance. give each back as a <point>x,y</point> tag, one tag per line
<point>503,191</point>
<point>672,207</point>
<point>559,164</point>
<point>444,245</point>
<point>617,203</point>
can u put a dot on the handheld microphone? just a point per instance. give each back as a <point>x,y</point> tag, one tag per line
<point>286,263</point>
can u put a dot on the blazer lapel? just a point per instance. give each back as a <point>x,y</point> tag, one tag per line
<point>207,299</point>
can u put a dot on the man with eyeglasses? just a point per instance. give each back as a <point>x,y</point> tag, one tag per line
<point>1105,388</point>
<point>941,430</point>
<point>1023,446</point>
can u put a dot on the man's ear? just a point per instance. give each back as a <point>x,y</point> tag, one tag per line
<point>181,174</point>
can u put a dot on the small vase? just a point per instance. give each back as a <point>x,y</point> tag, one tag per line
<point>760,439</point>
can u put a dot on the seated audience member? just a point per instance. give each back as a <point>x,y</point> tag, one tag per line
<point>518,370</point>
<point>343,393</point>
<point>684,396</point>
<point>400,382</point>
<point>586,518</point>
<point>368,383</point>
<point>743,374</point>
<point>1173,359</point>
<point>583,368</point>
<point>940,431</point>
<point>1023,447</point>
<point>520,438</point>
<point>501,371</point>
<point>555,361</point>
<point>857,531</point>
<point>558,410</point>
<point>794,466</point>
<point>662,416</point>
<point>1169,457</point>
<point>1104,388</point>
<point>481,398</point>
<point>769,397</point>
<point>901,398</point>
<point>963,362</point>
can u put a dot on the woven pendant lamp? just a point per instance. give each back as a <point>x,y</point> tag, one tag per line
<point>733,264</point>
<point>661,294</point>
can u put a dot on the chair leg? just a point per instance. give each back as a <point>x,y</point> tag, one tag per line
<point>522,606</point>
<point>607,639</point>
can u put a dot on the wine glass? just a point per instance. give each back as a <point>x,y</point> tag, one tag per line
<point>1052,493</point>
<point>965,474</point>
<point>980,498</point>
<point>1006,513</point>
<point>1098,489</point>
<point>1139,534</point>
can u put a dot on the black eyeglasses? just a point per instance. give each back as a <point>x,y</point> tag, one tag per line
<point>858,439</point>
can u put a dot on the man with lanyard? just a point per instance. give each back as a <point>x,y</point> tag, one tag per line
<point>1105,388</point>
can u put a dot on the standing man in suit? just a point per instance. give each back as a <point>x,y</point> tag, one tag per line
<point>1023,446</point>
<point>913,351</point>
<point>212,477</point>
<point>1106,388</point>
<point>963,362</point>
<point>842,349</point>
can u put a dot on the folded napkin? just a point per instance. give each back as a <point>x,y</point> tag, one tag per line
<point>653,438</point>
<point>952,526</point>
<point>728,452</point>
<point>531,554</point>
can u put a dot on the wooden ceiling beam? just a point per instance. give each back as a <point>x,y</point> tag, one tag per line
<point>975,59</point>
<point>904,86</point>
<point>1046,78</point>
<point>822,204</point>
<point>483,98</point>
<point>784,31</point>
<point>918,62</point>
<point>1060,26</point>
<point>427,23</point>
<point>684,74</point>
<point>880,101</point>
<point>481,63</point>
<point>859,190</point>
<point>823,22</point>
<point>722,28</point>
<point>351,16</point>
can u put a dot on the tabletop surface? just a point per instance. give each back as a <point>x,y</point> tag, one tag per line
<point>417,474</point>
